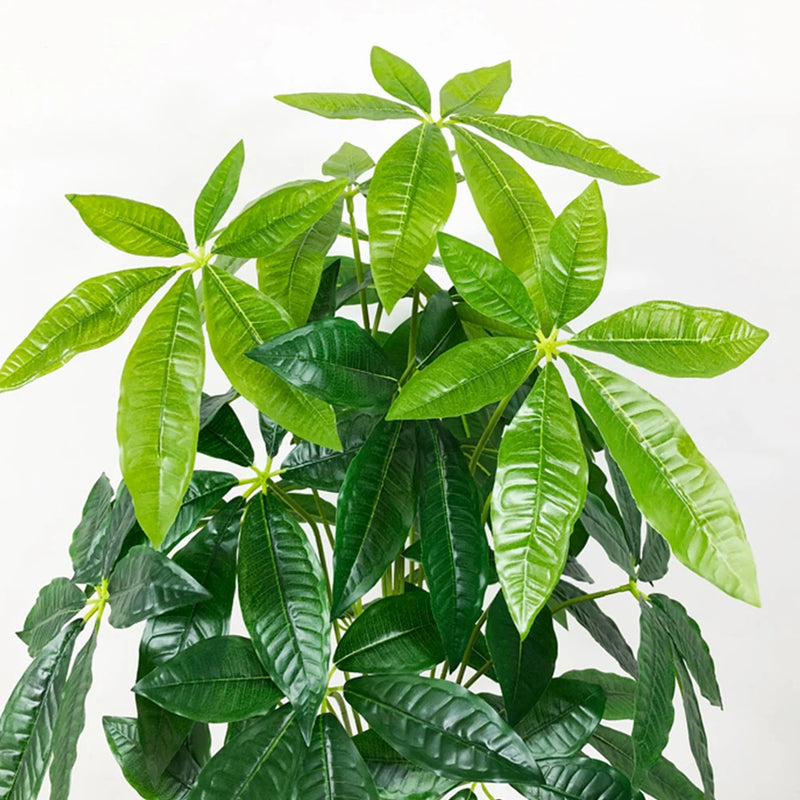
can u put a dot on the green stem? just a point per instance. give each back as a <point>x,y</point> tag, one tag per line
<point>328,531</point>
<point>377,321</point>
<point>479,673</point>
<point>471,644</point>
<point>487,792</point>
<point>362,292</point>
<point>411,364</point>
<point>584,598</point>
<point>343,712</point>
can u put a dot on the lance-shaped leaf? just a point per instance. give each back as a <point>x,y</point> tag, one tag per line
<point>337,105</point>
<point>70,719</point>
<point>218,193</point>
<point>677,489</point>
<point>284,605</point>
<point>487,284</point>
<point>159,408</point>
<point>466,378</point>
<point>443,727</point>
<point>576,264</point>
<point>272,434</point>
<point>439,328</point>
<point>123,532</point>
<point>454,547</point>
<point>604,528</point>
<point>349,161</point>
<point>655,556</point>
<point>376,508</point>
<point>94,313</point>
<point>399,78</point>
<point>274,220</point>
<point>393,634</point>
<point>539,491</point>
<point>579,779</point>
<point>477,92</point>
<point>675,339</point>
<point>222,436</point>
<point>410,198</point>
<point>215,680</point>
<point>333,359</point>
<point>56,604</point>
<point>619,691</point>
<point>262,761</point>
<point>26,725</point>
<point>629,511</point>
<point>511,206</point>
<point>698,741</point>
<point>551,142</point>
<point>131,226</point>
<point>146,583</point>
<point>86,547</point>
<point>239,317</point>
<point>333,768</point>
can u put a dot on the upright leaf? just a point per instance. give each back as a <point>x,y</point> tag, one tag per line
<point>347,106</point>
<point>698,741</point>
<point>218,193</point>
<point>439,328</point>
<point>655,556</point>
<point>579,779</point>
<point>477,92</point>
<point>400,79</point>
<point>56,604</point>
<point>349,161</point>
<point>222,436</point>
<point>87,538</point>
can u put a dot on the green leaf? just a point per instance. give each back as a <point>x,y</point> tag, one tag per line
<point>217,195</point>
<point>573,273</point>
<point>333,359</point>
<point>291,276</point>
<point>523,666</point>
<point>94,313</point>
<point>655,556</point>
<point>619,691</point>
<point>324,304</point>
<point>338,105</point>
<point>272,434</point>
<point>465,794</point>
<point>698,741</point>
<point>551,142</point>
<point>512,208</point>
<point>604,529</point>
<point>122,533</point>
<point>477,92</point>
<point>333,768</point>
<point>26,725</point>
<point>563,719</point>
<point>222,436</point>
<point>262,761</point>
<point>159,408</point>
<point>442,727</point>
<point>146,583</point>
<point>56,604</point>
<point>466,378</point>
<point>439,329</point>
<point>215,680</point>
<point>349,161</point>
<point>579,779</point>
<point>410,198</point>
<point>70,720</point>
<point>454,547</point>
<point>675,339</point>
<point>276,219</point>
<point>400,79</point>
<point>539,490</point>
<point>678,490</point>
<point>392,634</point>
<point>130,226</point>
<point>375,511</point>
<point>85,549</point>
<point>629,511</point>
<point>284,605</point>
<point>239,317</point>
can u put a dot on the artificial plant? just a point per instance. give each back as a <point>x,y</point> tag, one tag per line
<point>406,474</point>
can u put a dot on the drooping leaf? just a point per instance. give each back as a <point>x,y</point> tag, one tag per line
<point>222,436</point>
<point>604,529</point>
<point>347,106</point>
<point>439,328</point>
<point>629,511</point>
<point>56,604</point>
<point>375,511</point>
<point>675,339</point>
<point>477,92</point>
<point>349,161</point>
<point>410,198</point>
<point>443,727</point>
<point>655,556</point>
<point>539,491</point>
<point>579,779</point>
<point>131,226</point>
<point>218,193</point>
<point>400,79</point>
<point>619,691</point>
<point>698,741</point>
<point>678,490</point>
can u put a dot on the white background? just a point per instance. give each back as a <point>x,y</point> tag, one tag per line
<point>142,99</point>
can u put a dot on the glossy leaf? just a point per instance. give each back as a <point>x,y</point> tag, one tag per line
<point>333,359</point>
<point>477,92</point>
<point>86,547</point>
<point>466,378</point>
<point>678,490</point>
<point>410,198</point>
<point>675,339</point>
<point>93,314</point>
<point>131,226</point>
<point>619,691</point>
<point>579,779</point>
<point>464,794</point>
<point>439,329</point>
<point>56,604</point>
<point>393,634</point>
<point>604,529</point>
<point>400,79</point>
<point>222,436</point>
<point>239,317</point>
<point>698,741</point>
<point>278,218</point>
<point>443,727</point>
<point>375,511</point>
<point>552,142</point>
<point>655,556</point>
<point>454,547</point>
<point>347,106</point>
<point>539,490</point>
<point>349,161</point>
<point>629,511</point>
<point>218,193</point>
<point>284,605</point>
<point>324,304</point>
<point>123,532</point>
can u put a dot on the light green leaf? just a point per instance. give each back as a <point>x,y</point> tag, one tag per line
<point>675,339</point>
<point>676,488</point>
<point>477,92</point>
<point>349,161</point>
<point>619,691</point>
<point>159,408</point>
<point>94,313</point>
<point>539,490</point>
<point>400,79</point>
<point>410,198</point>
<point>335,105</point>
<point>218,193</point>
<point>551,142</point>
<point>56,604</point>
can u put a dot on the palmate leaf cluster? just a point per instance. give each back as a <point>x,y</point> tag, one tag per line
<point>445,464</point>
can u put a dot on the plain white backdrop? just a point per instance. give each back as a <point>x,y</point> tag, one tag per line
<point>142,99</point>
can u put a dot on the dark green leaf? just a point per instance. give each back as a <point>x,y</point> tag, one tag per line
<point>347,106</point>
<point>698,741</point>
<point>272,434</point>
<point>655,556</point>
<point>400,79</point>
<point>325,301</point>
<point>477,92</point>
<point>349,161</point>
<point>123,531</point>
<point>218,193</point>
<point>631,516</point>
<point>619,691</point>
<point>579,779</point>
<point>439,328</point>
<point>85,550</point>
<point>604,528</point>
<point>465,794</point>
<point>222,436</point>
<point>56,604</point>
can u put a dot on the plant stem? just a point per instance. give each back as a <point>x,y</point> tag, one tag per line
<point>343,712</point>
<point>471,644</point>
<point>482,671</point>
<point>584,598</point>
<point>328,531</point>
<point>362,292</point>
<point>377,321</point>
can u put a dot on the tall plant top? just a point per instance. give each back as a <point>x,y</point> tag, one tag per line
<point>429,463</point>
